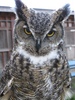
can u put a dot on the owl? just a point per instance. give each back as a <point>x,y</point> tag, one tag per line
<point>38,68</point>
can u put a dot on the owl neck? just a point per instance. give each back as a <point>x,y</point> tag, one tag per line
<point>38,59</point>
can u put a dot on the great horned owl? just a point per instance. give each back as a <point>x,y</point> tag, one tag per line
<point>38,69</point>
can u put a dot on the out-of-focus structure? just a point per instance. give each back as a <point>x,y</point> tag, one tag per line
<point>7,19</point>
<point>70,41</point>
<point>70,36</point>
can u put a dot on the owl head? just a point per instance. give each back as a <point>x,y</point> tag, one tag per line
<point>39,32</point>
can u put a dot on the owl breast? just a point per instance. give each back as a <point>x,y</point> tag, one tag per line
<point>38,81</point>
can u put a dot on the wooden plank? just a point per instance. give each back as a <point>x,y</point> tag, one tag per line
<point>5,50</point>
<point>3,59</point>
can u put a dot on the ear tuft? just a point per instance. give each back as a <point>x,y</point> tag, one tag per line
<point>61,14</point>
<point>65,12</point>
<point>21,10</point>
<point>18,3</point>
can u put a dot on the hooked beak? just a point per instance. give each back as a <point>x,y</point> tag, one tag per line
<point>38,45</point>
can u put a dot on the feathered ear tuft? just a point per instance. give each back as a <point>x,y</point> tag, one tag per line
<point>65,12</point>
<point>60,14</point>
<point>19,4</point>
<point>21,10</point>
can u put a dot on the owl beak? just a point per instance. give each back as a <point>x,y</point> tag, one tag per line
<point>38,45</point>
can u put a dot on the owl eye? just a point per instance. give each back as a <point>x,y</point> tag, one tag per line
<point>50,34</point>
<point>27,31</point>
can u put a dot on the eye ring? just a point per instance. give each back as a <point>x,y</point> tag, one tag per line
<point>27,31</point>
<point>50,34</point>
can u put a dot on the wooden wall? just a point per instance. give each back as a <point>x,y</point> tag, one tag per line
<point>6,36</point>
<point>70,37</point>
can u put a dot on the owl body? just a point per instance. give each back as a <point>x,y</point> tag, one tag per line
<point>38,69</point>
<point>38,80</point>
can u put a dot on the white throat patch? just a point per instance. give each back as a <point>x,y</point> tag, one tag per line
<point>38,59</point>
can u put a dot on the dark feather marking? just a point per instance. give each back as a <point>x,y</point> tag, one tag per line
<point>65,12</point>
<point>19,6</point>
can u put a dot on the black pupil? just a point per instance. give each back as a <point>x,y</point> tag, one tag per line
<point>27,29</point>
<point>51,32</point>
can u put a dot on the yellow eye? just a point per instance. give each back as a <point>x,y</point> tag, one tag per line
<point>50,34</point>
<point>27,31</point>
